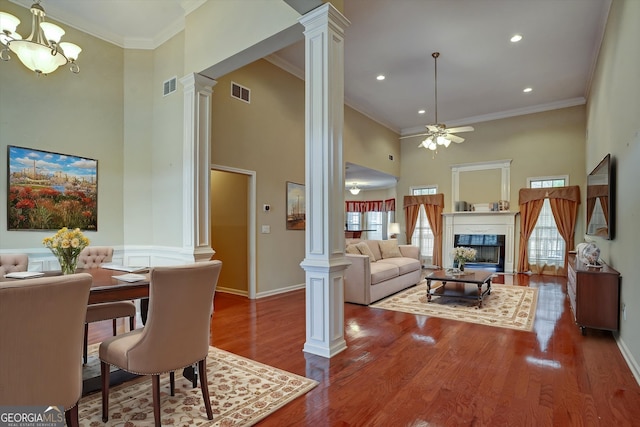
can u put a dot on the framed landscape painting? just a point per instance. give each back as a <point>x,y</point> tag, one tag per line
<point>295,206</point>
<point>48,191</point>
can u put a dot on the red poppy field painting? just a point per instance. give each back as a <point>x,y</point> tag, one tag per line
<point>48,191</point>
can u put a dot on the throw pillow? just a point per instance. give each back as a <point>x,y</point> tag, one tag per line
<point>352,249</point>
<point>390,248</point>
<point>364,250</point>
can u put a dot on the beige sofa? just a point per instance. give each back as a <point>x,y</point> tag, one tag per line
<point>378,269</point>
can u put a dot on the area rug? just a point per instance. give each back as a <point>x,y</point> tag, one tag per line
<point>508,306</point>
<point>242,393</point>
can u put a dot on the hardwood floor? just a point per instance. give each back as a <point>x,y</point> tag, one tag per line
<point>407,370</point>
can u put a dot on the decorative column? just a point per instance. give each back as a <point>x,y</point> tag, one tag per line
<point>196,171</point>
<point>324,262</point>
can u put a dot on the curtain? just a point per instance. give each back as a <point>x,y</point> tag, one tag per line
<point>370,205</point>
<point>565,213</point>
<point>531,200</point>
<point>433,205</point>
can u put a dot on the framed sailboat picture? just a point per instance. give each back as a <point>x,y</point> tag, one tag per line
<point>295,206</point>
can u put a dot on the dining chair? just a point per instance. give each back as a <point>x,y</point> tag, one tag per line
<point>180,308</point>
<point>39,362</point>
<point>10,263</point>
<point>94,257</point>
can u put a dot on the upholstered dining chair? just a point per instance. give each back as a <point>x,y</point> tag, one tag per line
<point>13,262</point>
<point>180,307</point>
<point>94,257</point>
<point>39,361</point>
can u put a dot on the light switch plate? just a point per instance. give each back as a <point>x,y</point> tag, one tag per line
<point>266,229</point>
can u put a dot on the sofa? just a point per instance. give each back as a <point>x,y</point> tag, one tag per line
<point>378,269</point>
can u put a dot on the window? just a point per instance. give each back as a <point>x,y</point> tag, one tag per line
<point>546,245</point>
<point>423,236</point>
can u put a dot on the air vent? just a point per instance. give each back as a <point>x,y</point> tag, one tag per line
<point>169,86</point>
<point>240,92</point>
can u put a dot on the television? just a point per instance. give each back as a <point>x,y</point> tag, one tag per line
<point>600,217</point>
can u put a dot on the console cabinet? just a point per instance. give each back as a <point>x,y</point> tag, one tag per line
<point>594,295</point>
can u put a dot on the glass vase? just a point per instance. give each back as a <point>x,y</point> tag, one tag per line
<point>68,266</point>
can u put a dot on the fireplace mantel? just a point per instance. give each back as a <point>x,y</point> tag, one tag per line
<point>492,222</point>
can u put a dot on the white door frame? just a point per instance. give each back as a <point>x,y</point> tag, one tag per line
<point>251,222</point>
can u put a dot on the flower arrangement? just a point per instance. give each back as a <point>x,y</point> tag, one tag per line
<point>462,254</point>
<point>66,245</point>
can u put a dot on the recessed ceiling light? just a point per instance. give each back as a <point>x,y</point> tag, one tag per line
<point>421,111</point>
<point>516,38</point>
<point>381,77</point>
<point>527,90</point>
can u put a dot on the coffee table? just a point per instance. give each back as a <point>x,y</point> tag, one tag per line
<point>467,284</point>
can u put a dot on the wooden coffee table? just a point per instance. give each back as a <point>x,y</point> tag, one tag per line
<point>466,285</point>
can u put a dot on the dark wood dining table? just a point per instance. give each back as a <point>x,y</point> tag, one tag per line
<point>105,288</point>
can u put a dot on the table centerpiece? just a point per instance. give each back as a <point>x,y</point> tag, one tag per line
<point>66,245</point>
<point>462,254</point>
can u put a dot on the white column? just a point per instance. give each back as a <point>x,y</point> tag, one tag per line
<point>324,262</point>
<point>196,235</point>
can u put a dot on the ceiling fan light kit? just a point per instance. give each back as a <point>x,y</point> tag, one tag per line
<point>437,134</point>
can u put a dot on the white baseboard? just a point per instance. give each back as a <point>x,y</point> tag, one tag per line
<point>280,291</point>
<point>628,357</point>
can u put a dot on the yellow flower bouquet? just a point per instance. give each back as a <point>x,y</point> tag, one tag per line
<point>66,245</point>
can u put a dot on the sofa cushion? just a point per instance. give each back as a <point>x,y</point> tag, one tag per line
<point>353,250</point>
<point>405,265</point>
<point>375,248</point>
<point>365,250</point>
<point>389,248</point>
<point>382,271</point>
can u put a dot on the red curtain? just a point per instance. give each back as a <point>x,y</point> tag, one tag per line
<point>433,205</point>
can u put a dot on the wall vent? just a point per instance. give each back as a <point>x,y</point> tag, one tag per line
<point>240,92</point>
<point>169,86</point>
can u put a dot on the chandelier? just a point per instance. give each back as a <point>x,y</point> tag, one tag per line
<point>42,51</point>
<point>354,190</point>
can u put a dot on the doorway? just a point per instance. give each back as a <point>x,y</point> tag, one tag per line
<point>232,230</point>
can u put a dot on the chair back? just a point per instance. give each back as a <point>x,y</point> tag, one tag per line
<point>13,262</point>
<point>41,332</point>
<point>94,256</point>
<point>179,320</point>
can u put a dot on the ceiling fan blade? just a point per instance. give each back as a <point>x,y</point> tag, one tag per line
<point>455,138</point>
<point>460,129</point>
<point>433,128</point>
<point>414,135</point>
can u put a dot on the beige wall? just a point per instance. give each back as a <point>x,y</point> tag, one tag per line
<point>614,127</point>
<point>267,136</point>
<point>81,115</point>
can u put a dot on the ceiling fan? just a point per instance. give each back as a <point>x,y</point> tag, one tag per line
<point>438,133</point>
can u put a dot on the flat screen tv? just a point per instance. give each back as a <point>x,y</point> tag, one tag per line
<point>600,199</point>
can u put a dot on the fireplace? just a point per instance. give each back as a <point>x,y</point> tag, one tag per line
<point>492,234</point>
<point>490,250</point>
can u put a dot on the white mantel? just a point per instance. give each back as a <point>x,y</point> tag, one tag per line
<point>501,222</point>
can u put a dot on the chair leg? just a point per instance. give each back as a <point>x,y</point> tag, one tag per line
<point>132,323</point>
<point>84,349</point>
<point>195,377</point>
<point>172,383</point>
<point>155,379</point>
<point>204,385</point>
<point>114,328</point>
<point>71,416</point>
<point>104,374</point>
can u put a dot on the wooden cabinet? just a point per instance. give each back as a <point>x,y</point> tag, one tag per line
<point>594,295</point>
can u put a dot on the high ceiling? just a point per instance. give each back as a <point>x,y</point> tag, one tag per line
<point>481,74</point>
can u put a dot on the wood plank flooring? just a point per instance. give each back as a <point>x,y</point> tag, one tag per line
<point>407,370</point>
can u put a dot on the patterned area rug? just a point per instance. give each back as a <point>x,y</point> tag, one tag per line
<point>242,393</point>
<point>508,306</point>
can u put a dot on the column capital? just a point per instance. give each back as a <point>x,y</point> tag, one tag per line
<point>199,82</point>
<point>325,15</point>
